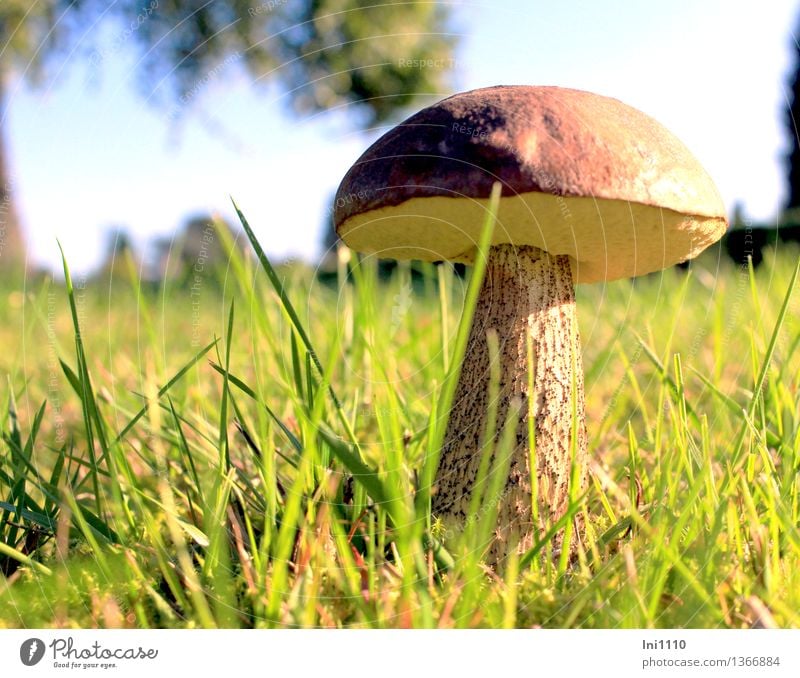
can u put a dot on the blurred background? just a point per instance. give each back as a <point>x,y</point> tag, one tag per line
<point>126,126</point>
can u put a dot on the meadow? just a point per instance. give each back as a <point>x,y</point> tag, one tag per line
<point>250,448</point>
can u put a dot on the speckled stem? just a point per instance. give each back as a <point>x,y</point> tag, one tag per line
<point>525,291</point>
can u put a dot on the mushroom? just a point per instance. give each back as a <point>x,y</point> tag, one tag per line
<point>592,190</point>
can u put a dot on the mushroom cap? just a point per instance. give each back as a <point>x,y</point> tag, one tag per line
<point>582,175</point>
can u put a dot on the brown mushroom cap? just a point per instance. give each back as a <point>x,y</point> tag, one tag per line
<point>582,175</point>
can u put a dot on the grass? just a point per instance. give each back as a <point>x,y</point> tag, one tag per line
<point>255,450</point>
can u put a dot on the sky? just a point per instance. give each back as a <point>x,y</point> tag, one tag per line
<point>89,153</point>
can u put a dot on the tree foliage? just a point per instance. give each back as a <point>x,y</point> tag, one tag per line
<point>29,32</point>
<point>323,53</point>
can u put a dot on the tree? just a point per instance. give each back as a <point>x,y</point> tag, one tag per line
<point>119,253</point>
<point>323,53</point>
<point>197,254</point>
<point>793,127</point>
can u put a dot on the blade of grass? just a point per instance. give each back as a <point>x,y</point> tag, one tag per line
<point>448,389</point>
<point>286,303</point>
<point>767,361</point>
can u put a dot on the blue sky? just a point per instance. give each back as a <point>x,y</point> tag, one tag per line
<point>89,153</point>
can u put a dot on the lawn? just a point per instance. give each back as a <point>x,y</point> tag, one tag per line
<point>246,448</point>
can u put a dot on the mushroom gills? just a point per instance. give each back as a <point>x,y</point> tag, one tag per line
<point>606,239</point>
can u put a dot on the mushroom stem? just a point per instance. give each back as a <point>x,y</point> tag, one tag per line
<point>525,291</point>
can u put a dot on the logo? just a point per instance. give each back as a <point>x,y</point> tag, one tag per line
<point>31,652</point>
